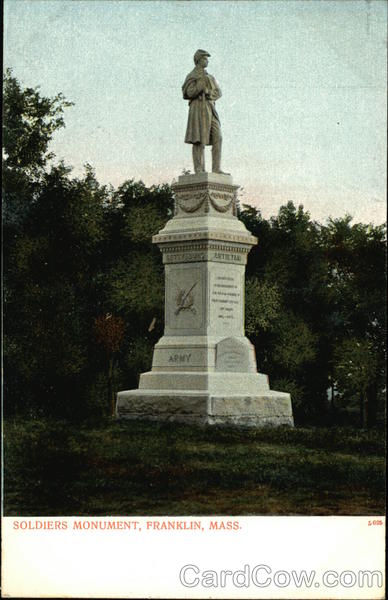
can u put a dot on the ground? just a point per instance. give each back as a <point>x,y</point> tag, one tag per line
<point>140,468</point>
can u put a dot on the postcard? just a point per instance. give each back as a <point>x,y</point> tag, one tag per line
<point>194,299</point>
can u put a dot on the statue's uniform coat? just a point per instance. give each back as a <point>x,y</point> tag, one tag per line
<point>201,108</point>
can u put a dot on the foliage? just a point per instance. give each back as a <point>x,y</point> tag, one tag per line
<point>50,265</point>
<point>29,123</point>
<point>138,357</point>
<point>297,344</point>
<point>290,260</point>
<point>262,304</point>
<point>356,323</point>
<point>109,332</point>
<point>330,283</point>
<point>356,366</point>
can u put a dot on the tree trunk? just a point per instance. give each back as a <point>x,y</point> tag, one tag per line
<point>111,387</point>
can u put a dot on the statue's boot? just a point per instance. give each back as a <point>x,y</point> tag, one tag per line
<point>199,158</point>
<point>216,154</point>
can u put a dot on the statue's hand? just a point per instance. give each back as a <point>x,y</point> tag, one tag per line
<point>201,85</point>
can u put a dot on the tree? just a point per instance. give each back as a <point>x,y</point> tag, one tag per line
<point>29,122</point>
<point>356,365</point>
<point>287,304</point>
<point>356,261</point>
<point>75,252</point>
<point>51,270</point>
<point>262,305</point>
<point>109,331</point>
<point>132,277</point>
<point>53,231</point>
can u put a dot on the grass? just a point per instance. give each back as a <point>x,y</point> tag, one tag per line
<point>140,468</point>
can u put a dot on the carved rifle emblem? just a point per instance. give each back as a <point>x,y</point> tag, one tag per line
<point>185,300</point>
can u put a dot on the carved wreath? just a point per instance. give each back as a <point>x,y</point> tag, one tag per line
<point>207,198</point>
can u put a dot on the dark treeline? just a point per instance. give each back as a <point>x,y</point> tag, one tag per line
<point>84,288</point>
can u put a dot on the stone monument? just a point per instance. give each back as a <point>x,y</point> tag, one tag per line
<point>204,368</point>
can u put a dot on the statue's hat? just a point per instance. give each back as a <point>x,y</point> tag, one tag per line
<point>200,53</point>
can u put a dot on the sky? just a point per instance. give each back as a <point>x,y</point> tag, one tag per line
<point>303,110</point>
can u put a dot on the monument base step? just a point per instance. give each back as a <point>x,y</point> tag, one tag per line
<point>263,409</point>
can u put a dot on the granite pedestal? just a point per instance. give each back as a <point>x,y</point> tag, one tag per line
<point>204,368</point>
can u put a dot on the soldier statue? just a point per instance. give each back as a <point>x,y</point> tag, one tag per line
<point>203,126</point>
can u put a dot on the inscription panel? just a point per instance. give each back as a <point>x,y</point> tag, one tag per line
<point>233,356</point>
<point>181,358</point>
<point>184,298</point>
<point>226,299</point>
<point>201,255</point>
<point>182,257</point>
<point>228,257</point>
